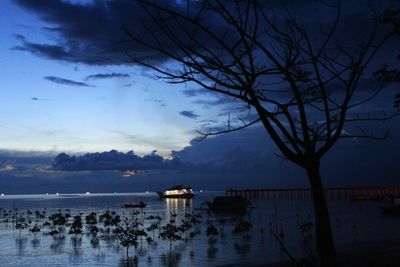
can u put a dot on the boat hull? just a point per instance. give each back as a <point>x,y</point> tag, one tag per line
<point>186,195</point>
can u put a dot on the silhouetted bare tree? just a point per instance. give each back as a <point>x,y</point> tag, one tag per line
<point>303,85</point>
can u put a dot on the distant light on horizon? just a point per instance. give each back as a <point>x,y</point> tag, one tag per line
<point>7,167</point>
<point>128,173</point>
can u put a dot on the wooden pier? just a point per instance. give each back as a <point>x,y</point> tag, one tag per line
<point>350,193</point>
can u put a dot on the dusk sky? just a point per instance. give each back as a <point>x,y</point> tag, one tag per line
<point>67,85</point>
<point>63,104</point>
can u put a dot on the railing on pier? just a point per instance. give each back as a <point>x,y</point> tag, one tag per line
<point>350,193</point>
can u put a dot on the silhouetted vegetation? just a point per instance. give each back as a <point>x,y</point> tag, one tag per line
<point>302,85</point>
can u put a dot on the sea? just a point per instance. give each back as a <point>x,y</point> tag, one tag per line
<point>354,224</point>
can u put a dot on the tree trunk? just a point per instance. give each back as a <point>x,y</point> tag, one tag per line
<point>324,241</point>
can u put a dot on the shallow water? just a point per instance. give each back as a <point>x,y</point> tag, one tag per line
<point>353,224</point>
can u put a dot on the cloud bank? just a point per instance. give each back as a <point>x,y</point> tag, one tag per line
<point>111,160</point>
<point>99,76</point>
<point>63,81</point>
<point>189,114</point>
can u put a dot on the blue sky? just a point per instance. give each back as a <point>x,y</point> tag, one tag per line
<point>136,112</point>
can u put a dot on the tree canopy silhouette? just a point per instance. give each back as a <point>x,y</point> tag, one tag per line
<point>306,86</point>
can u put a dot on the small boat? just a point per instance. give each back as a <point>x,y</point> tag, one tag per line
<point>231,204</point>
<point>391,210</point>
<point>141,205</point>
<point>178,191</point>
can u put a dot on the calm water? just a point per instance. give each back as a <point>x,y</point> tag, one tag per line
<point>353,224</point>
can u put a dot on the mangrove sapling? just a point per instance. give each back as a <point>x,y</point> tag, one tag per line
<point>173,214</point>
<point>34,230</point>
<point>222,222</point>
<point>39,215</point>
<point>94,231</point>
<point>212,232</point>
<point>306,229</point>
<point>170,232</point>
<point>58,219</point>
<point>184,228</point>
<point>243,227</point>
<point>91,219</point>
<point>141,234</point>
<point>76,227</point>
<point>127,234</point>
<point>20,225</point>
<point>106,218</point>
<point>53,233</point>
<point>154,226</point>
<point>115,220</point>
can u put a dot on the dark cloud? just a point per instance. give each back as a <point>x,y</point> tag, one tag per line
<point>90,33</point>
<point>111,160</point>
<point>189,114</point>
<point>106,76</point>
<point>63,81</point>
<point>208,121</point>
<point>196,92</point>
<point>58,52</point>
<point>350,163</point>
<point>35,98</point>
<point>22,160</point>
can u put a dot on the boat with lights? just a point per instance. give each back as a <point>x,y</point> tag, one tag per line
<point>178,191</point>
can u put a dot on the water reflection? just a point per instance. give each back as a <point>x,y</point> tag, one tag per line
<point>35,243</point>
<point>211,252</point>
<point>174,204</point>
<point>242,249</point>
<point>195,250</point>
<point>130,262</point>
<point>76,243</point>
<point>170,259</point>
<point>21,245</point>
<point>58,244</point>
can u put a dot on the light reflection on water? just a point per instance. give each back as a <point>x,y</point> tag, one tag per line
<point>352,224</point>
